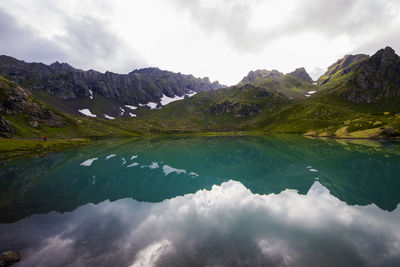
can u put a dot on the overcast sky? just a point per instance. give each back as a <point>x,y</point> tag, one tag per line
<point>221,39</point>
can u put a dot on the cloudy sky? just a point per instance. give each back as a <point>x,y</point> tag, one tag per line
<point>221,39</point>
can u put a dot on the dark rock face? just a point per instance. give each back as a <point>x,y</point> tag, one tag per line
<point>16,100</point>
<point>342,66</point>
<point>376,79</point>
<point>9,258</point>
<point>6,128</point>
<point>66,82</point>
<point>302,74</point>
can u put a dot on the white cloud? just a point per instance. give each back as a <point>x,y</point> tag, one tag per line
<point>149,256</point>
<point>220,39</point>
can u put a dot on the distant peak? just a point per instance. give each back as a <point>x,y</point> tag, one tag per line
<point>301,73</point>
<point>385,52</point>
<point>60,65</point>
<point>388,49</point>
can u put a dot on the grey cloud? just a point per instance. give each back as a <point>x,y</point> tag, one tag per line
<point>342,17</point>
<point>230,18</point>
<point>25,43</point>
<point>329,18</point>
<point>90,42</point>
<point>87,43</point>
<point>387,38</point>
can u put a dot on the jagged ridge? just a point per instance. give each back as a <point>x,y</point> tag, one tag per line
<point>68,83</point>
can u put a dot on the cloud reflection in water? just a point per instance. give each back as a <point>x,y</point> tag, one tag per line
<point>226,225</point>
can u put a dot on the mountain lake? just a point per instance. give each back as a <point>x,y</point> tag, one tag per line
<point>282,200</point>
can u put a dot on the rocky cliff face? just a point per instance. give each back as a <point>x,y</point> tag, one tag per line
<point>68,83</point>
<point>16,100</point>
<point>341,67</point>
<point>376,79</point>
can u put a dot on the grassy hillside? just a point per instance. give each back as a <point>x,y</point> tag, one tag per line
<point>289,84</point>
<point>229,109</point>
<point>328,115</point>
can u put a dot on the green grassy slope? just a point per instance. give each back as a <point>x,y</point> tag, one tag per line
<point>229,109</point>
<point>328,115</point>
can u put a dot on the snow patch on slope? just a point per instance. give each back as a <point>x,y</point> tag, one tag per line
<point>87,112</point>
<point>165,100</point>
<point>130,107</point>
<point>152,105</point>
<point>108,117</point>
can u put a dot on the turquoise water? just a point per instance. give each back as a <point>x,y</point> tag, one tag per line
<point>220,201</point>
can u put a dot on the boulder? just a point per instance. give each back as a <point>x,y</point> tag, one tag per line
<point>9,258</point>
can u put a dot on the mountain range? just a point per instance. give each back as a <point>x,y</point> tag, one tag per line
<point>358,96</point>
<point>71,89</point>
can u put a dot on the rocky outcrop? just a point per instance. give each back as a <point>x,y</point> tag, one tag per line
<point>341,67</point>
<point>302,74</point>
<point>376,79</point>
<point>16,100</point>
<point>389,132</point>
<point>66,82</point>
<point>8,258</point>
<point>6,128</point>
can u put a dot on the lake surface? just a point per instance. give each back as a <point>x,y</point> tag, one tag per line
<point>220,201</point>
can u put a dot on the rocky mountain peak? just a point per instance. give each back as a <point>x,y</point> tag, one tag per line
<point>342,66</point>
<point>261,74</point>
<point>301,73</point>
<point>384,58</point>
<point>376,78</point>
